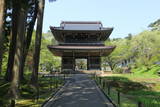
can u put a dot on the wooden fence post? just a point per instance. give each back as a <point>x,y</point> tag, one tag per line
<point>100,81</point>
<point>12,103</point>
<point>52,82</point>
<point>94,76</point>
<point>104,83</point>
<point>49,82</point>
<point>109,89</point>
<point>55,80</point>
<point>64,77</point>
<point>118,95</point>
<point>140,104</point>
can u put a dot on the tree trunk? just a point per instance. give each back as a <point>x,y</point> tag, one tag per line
<point>8,75</point>
<point>36,56</point>
<point>18,53</point>
<point>109,61</point>
<point>2,9</point>
<point>28,41</point>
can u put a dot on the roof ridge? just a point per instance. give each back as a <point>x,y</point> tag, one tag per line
<point>81,22</point>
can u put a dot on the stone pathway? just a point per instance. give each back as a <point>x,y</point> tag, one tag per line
<point>79,91</point>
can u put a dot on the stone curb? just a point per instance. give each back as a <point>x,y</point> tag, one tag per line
<point>54,95</point>
<point>104,95</point>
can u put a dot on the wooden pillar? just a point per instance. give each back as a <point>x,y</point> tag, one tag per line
<point>88,62</point>
<point>61,63</point>
<point>95,62</point>
<point>100,56</point>
<point>100,63</point>
<point>73,58</point>
<point>67,62</point>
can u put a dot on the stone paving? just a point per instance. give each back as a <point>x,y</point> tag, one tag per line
<point>79,91</point>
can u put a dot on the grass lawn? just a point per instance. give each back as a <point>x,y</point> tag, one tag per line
<point>28,96</point>
<point>140,86</point>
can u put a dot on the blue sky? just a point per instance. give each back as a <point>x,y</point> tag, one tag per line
<point>126,16</point>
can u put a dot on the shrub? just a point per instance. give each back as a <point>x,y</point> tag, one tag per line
<point>118,70</point>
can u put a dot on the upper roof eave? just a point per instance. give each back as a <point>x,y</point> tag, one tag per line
<point>68,30</point>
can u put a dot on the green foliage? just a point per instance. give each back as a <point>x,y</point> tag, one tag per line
<point>118,70</point>
<point>152,72</point>
<point>146,46</point>
<point>48,61</point>
<point>155,25</point>
<point>134,89</point>
<point>4,64</point>
<point>143,49</point>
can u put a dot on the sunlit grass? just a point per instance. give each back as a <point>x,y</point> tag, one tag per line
<point>47,87</point>
<point>140,86</point>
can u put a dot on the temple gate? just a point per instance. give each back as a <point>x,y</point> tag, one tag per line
<point>81,40</point>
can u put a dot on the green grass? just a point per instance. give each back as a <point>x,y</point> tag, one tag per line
<point>151,72</point>
<point>125,101</point>
<point>141,86</point>
<point>28,96</point>
<point>3,94</point>
<point>47,87</point>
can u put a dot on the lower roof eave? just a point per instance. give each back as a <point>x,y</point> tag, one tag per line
<point>61,50</point>
<point>60,47</point>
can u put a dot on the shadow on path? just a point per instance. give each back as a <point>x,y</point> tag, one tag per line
<point>80,91</point>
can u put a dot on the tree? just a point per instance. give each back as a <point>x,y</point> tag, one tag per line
<point>146,48</point>
<point>22,14</point>
<point>111,62</point>
<point>155,25</point>
<point>32,17</point>
<point>36,56</point>
<point>140,50</point>
<point>12,46</point>
<point>48,62</point>
<point>119,53</point>
<point>2,11</point>
<point>129,37</point>
<point>30,22</point>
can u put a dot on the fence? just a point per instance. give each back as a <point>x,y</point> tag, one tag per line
<point>54,80</point>
<point>118,98</point>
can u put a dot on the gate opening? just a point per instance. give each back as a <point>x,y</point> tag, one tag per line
<point>80,64</point>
